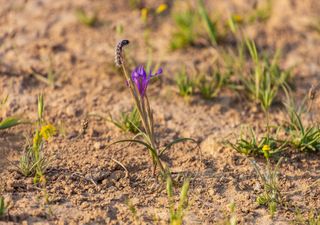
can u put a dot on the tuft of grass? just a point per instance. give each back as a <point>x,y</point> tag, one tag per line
<point>86,19</point>
<point>250,144</point>
<point>313,218</point>
<point>177,214</point>
<point>230,217</point>
<point>302,137</point>
<point>209,25</point>
<point>261,12</point>
<point>185,84</point>
<point>128,122</point>
<point>261,78</point>
<point>184,34</point>
<point>133,210</point>
<point>269,177</point>
<point>305,138</point>
<point>33,161</point>
<point>210,86</point>
<point>49,76</point>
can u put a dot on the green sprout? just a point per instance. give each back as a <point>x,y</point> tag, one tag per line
<point>33,162</point>
<point>128,122</point>
<point>210,86</point>
<point>230,217</point>
<point>209,25</point>
<point>312,218</point>
<point>85,18</point>
<point>250,144</point>
<point>49,77</point>
<point>185,84</point>
<point>177,214</point>
<point>263,79</point>
<point>261,12</point>
<point>303,138</point>
<point>185,34</point>
<point>269,177</point>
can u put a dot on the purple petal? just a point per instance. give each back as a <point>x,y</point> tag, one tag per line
<point>157,73</point>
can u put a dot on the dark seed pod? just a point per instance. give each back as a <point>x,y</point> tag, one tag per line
<point>84,126</point>
<point>118,53</point>
<point>313,91</point>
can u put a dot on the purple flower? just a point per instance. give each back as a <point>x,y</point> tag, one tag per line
<point>141,80</point>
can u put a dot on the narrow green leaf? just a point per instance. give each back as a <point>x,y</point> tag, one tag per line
<point>211,29</point>
<point>176,142</point>
<point>152,150</point>
<point>9,122</point>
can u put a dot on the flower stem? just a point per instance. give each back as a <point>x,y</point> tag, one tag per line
<point>147,120</point>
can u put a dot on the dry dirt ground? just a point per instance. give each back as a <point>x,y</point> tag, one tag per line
<point>84,183</point>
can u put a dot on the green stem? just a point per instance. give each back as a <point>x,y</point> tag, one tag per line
<point>146,118</point>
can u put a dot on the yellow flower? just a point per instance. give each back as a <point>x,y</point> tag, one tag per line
<point>161,8</point>
<point>237,18</point>
<point>266,148</point>
<point>47,131</point>
<point>144,14</point>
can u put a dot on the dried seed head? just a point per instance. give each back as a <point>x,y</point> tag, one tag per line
<point>118,54</point>
<point>84,126</point>
<point>313,92</point>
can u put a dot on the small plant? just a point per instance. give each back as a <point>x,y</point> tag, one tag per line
<point>210,26</point>
<point>85,18</point>
<point>177,214</point>
<point>49,76</point>
<point>230,217</point>
<point>137,84</point>
<point>3,206</point>
<point>185,83</point>
<point>133,211</point>
<point>304,138</point>
<point>128,122</point>
<point>269,178</point>
<point>263,79</point>
<point>185,33</point>
<point>233,217</point>
<point>250,144</point>
<point>261,12</point>
<point>313,218</point>
<point>210,86</point>
<point>135,4</point>
<point>33,161</point>
<point>10,121</point>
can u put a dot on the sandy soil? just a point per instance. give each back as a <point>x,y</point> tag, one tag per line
<point>84,183</point>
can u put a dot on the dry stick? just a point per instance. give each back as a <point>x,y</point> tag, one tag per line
<point>120,164</point>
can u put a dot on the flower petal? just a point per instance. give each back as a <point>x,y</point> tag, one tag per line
<point>157,73</point>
